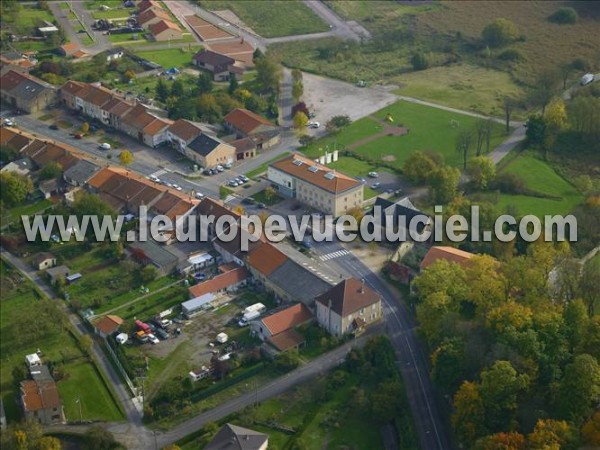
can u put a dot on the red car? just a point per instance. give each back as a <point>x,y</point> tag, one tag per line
<point>78,136</point>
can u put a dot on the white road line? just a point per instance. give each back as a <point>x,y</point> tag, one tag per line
<point>335,254</point>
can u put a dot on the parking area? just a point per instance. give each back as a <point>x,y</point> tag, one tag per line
<point>327,98</point>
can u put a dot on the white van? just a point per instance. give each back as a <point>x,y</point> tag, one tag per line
<point>105,146</point>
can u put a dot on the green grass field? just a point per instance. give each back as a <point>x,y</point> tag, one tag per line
<point>462,86</point>
<point>174,57</point>
<point>285,18</point>
<point>540,177</point>
<point>117,13</point>
<point>84,383</point>
<point>19,304</point>
<point>430,129</point>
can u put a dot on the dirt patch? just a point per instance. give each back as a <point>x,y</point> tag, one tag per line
<point>389,158</point>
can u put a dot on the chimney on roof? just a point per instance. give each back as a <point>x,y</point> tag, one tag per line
<point>362,286</point>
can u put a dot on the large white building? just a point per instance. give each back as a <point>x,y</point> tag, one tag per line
<point>315,184</point>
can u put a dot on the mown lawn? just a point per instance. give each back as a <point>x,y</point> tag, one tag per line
<point>261,197</point>
<point>117,13</point>
<point>84,383</point>
<point>430,129</point>
<point>285,18</point>
<point>29,209</point>
<point>540,177</point>
<point>174,57</point>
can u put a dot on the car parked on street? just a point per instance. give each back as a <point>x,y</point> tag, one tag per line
<point>376,185</point>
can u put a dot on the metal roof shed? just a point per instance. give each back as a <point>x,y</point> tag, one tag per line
<point>194,305</point>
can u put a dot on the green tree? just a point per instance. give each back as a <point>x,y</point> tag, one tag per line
<point>268,73</point>
<point>86,343</point>
<point>468,419</point>
<point>233,84</point>
<point>444,184</point>
<point>536,130</point>
<point>50,171</point>
<point>182,108</point>
<point>205,82</point>
<point>463,143</point>
<point>162,90</point>
<point>14,188</point>
<point>499,32</point>
<point>508,106</point>
<point>337,123</point>
<point>579,389</point>
<point>481,171</point>
<point>270,193</point>
<point>126,157</point>
<point>419,167</point>
<point>447,362</point>
<point>129,75</point>
<point>8,154</point>
<point>93,205</point>
<point>500,386</point>
<point>385,400</point>
<point>148,274</point>
<point>97,438</point>
<point>177,89</point>
<point>49,443</point>
<point>297,90</point>
<point>208,108</point>
<point>551,434</point>
<point>544,89</point>
<point>300,120</point>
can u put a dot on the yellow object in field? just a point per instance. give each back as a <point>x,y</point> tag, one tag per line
<point>389,118</point>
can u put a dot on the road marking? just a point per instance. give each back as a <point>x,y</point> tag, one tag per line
<point>332,255</point>
<point>229,198</point>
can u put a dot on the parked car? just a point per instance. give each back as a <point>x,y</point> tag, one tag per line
<point>587,79</point>
<point>53,127</point>
<point>262,205</point>
<point>233,183</point>
<point>176,186</point>
<point>154,178</point>
<point>199,195</point>
<point>220,168</point>
<point>376,185</point>
<point>153,339</point>
<point>162,334</point>
<point>248,201</point>
<point>228,166</point>
<point>78,136</point>
<point>373,174</point>
<point>105,146</point>
<point>206,172</point>
<point>244,178</point>
<point>8,123</point>
<point>312,124</point>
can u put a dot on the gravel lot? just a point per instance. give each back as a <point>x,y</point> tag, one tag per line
<point>328,98</point>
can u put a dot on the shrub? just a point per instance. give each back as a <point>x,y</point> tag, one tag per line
<point>564,16</point>
<point>511,54</point>
<point>419,61</point>
<point>499,32</point>
<point>509,183</point>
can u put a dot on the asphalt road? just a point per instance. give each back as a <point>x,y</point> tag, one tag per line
<point>412,362</point>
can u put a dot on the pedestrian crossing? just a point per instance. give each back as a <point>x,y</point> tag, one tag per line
<point>332,255</point>
<point>158,173</point>
<point>229,198</point>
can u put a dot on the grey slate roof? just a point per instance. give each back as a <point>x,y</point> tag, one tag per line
<point>204,144</point>
<point>298,281</point>
<point>232,437</point>
<point>80,172</point>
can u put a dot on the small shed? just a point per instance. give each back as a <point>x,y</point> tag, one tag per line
<point>200,261</point>
<point>73,278</point>
<point>58,273</point>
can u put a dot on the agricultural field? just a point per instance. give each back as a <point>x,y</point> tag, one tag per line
<point>285,18</point>
<point>379,141</point>
<point>539,177</point>
<point>20,302</point>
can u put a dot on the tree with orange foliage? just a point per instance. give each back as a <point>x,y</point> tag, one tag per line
<point>501,441</point>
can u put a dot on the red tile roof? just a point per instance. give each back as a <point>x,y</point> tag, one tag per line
<point>287,340</point>
<point>348,297</point>
<point>37,395</point>
<point>287,318</point>
<point>336,184</point>
<point>156,126</point>
<point>185,130</point>
<point>69,48</point>
<point>266,258</point>
<point>145,4</point>
<point>152,13</point>
<point>163,25</point>
<point>108,324</point>
<point>220,282</point>
<point>246,121</point>
<point>449,254</point>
